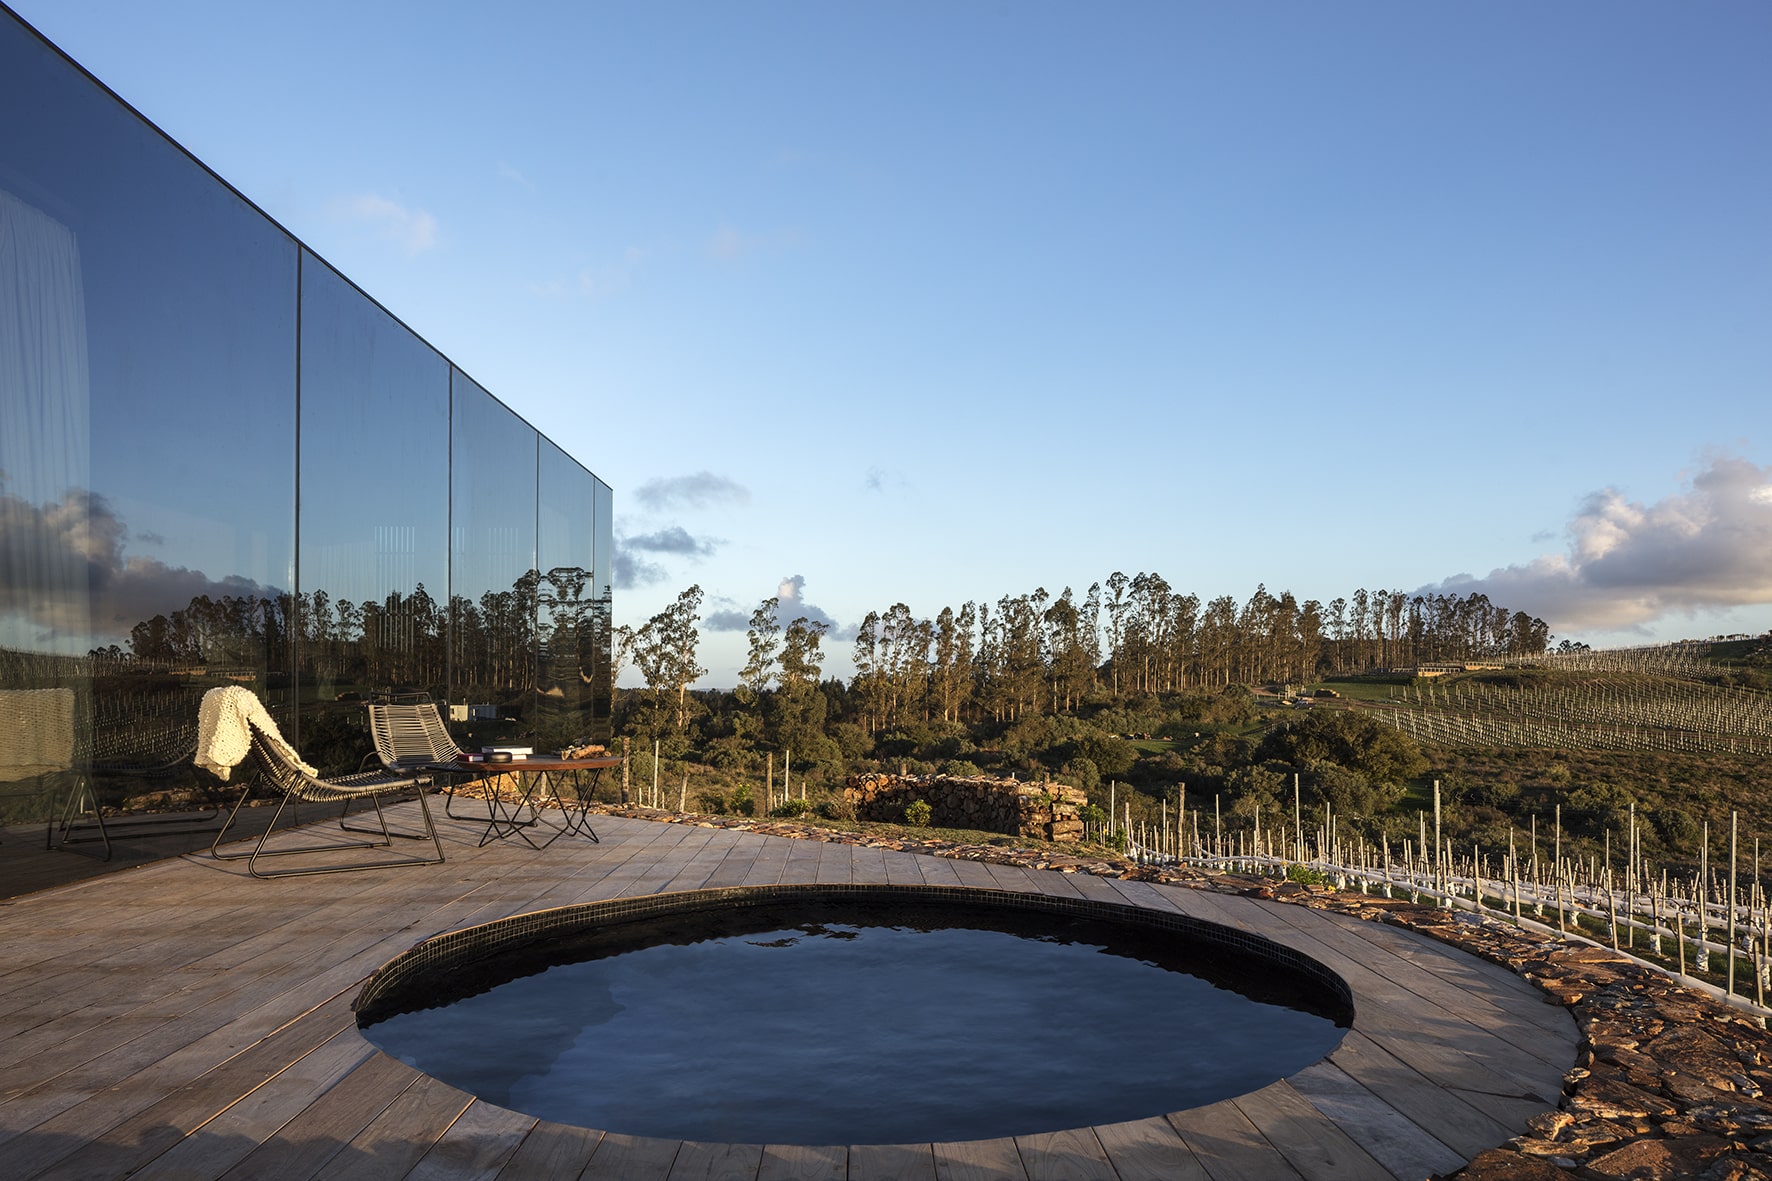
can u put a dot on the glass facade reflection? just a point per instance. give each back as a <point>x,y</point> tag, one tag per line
<point>177,375</point>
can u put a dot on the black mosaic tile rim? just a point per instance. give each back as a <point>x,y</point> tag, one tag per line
<point>485,940</point>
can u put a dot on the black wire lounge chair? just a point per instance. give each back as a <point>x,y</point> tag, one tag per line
<point>410,738</point>
<point>280,774</point>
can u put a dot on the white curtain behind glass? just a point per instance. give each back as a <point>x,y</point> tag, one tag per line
<point>45,435</point>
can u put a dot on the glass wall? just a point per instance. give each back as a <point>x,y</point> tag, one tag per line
<point>372,565</point>
<point>166,354</point>
<point>492,575</point>
<point>147,411</point>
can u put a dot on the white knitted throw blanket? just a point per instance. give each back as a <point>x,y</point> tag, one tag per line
<point>224,730</point>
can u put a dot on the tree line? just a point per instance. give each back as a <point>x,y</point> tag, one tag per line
<point>1035,652</point>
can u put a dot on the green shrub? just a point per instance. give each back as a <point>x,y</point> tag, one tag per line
<point>960,769</point>
<point>1305,875</point>
<point>790,808</point>
<point>837,807</point>
<point>917,813</point>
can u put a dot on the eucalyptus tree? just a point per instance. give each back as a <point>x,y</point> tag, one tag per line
<point>903,664</point>
<point>664,652</point>
<point>764,636</point>
<point>798,708</point>
<point>1116,613</point>
<point>1067,662</point>
<point>950,671</point>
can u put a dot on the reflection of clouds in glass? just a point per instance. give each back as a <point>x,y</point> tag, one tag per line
<point>57,554</point>
<point>45,424</point>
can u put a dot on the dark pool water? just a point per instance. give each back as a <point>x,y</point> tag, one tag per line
<point>905,1026</point>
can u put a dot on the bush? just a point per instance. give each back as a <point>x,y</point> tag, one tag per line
<point>1677,827</point>
<point>790,808</point>
<point>917,813</point>
<point>837,807</point>
<point>960,769</point>
<point>1306,876</point>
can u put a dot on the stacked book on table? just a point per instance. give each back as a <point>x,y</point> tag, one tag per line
<point>512,754</point>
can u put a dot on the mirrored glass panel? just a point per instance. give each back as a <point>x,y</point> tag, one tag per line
<point>492,572</point>
<point>147,358</point>
<point>602,612</point>
<point>565,540</point>
<point>373,550</point>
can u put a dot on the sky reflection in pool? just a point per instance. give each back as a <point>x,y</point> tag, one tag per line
<point>849,1033</point>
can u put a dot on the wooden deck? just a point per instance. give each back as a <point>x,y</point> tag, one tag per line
<point>181,1020</point>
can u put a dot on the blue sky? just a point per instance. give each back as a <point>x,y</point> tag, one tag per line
<point>935,302</point>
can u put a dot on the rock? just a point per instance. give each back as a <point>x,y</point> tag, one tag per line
<point>1504,1164</point>
<point>1657,1160</point>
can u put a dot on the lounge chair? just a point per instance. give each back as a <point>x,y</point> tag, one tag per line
<point>281,771</point>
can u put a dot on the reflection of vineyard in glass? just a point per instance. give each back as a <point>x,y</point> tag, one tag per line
<point>1604,711</point>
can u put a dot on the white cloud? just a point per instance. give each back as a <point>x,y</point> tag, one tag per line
<point>791,596</point>
<point>1706,548</point>
<point>700,490</point>
<point>414,229</point>
<point>510,173</point>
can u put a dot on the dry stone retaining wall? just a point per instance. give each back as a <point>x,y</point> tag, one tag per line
<point>1048,811</point>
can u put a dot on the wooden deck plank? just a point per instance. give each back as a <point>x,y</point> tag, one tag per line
<point>699,1161</point>
<point>1469,1045</point>
<point>979,1160</point>
<point>735,866</point>
<point>307,1143</point>
<point>1071,1155</point>
<point>867,867</point>
<point>551,1151</point>
<point>771,862</point>
<point>1308,1139</point>
<point>622,1157</point>
<point>802,866</point>
<point>798,1162</point>
<point>394,1142</point>
<point>1536,1028</point>
<point>891,1162</point>
<point>974,874</point>
<point>1056,885</point>
<point>1013,877</point>
<point>95,1098</point>
<point>904,869</point>
<point>940,871</point>
<point>475,1147</point>
<point>701,863</point>
<point>1097,889</point>
<point>1229,1146</point>
<point>1454,1121</point>
<point>1149,1150</point>
<point>836,863</point>
<point>206,1128</point>
<point>1404,1147</point>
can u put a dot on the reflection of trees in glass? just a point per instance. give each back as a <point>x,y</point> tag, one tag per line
<point>228,629</point>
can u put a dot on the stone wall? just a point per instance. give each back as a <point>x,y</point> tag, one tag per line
<point>1048,811</point>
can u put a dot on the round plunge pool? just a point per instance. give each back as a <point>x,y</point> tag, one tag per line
<point>852,1015</point>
